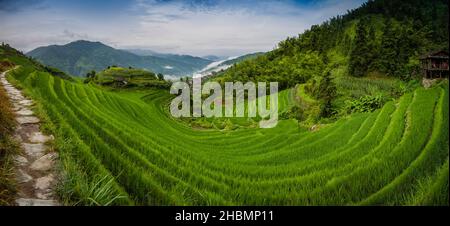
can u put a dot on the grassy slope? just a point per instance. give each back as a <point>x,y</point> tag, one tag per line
<point>7,148</point>
<point>156,160</point>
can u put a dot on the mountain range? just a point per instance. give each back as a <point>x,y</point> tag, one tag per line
<point>79,57</point>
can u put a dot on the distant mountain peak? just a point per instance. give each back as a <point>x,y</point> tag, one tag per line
<point>86,43</point>
<point>82,41</point>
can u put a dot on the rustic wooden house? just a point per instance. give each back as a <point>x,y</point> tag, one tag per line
<point>435,64</point>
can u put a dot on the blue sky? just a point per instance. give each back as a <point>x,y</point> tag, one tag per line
<point>196,27</point>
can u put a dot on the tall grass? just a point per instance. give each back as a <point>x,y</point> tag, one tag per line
<point>8,147</point>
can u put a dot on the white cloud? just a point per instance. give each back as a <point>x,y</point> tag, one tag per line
<point>221,28</point>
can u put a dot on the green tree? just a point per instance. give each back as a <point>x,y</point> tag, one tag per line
<point>327,93</point>
<point>389,48</point>
<point>90,74</point>
<point>359,63</point>
<point>323,89</point>
<point>373,50</point>
<point>160,76</point>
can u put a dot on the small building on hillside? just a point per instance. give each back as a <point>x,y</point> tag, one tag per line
<point>120,81</point>
<point>435,64</point>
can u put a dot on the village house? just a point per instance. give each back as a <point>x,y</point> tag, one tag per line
<point>435,65</point>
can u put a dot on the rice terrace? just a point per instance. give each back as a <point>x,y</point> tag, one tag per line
<point>362,110</point>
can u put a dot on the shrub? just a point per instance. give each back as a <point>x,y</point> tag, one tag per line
<point>364,104</point>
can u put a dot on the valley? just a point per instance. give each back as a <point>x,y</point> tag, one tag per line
<point>362,118</point>
<point>126,143</point>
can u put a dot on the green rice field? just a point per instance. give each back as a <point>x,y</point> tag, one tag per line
<point>124,148</point>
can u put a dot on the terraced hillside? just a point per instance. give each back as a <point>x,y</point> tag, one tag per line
<point>127,149</point>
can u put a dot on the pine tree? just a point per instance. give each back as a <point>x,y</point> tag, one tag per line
<point>359,63</point>
<point>373,50</point>
<point>327,90</point>
<point>389,53</point>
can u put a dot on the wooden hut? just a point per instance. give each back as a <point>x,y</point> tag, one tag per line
<point>435,64</point>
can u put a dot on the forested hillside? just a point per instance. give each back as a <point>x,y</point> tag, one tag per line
<point>382,37</point>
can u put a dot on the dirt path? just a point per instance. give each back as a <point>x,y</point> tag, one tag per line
<point>35,166</point>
